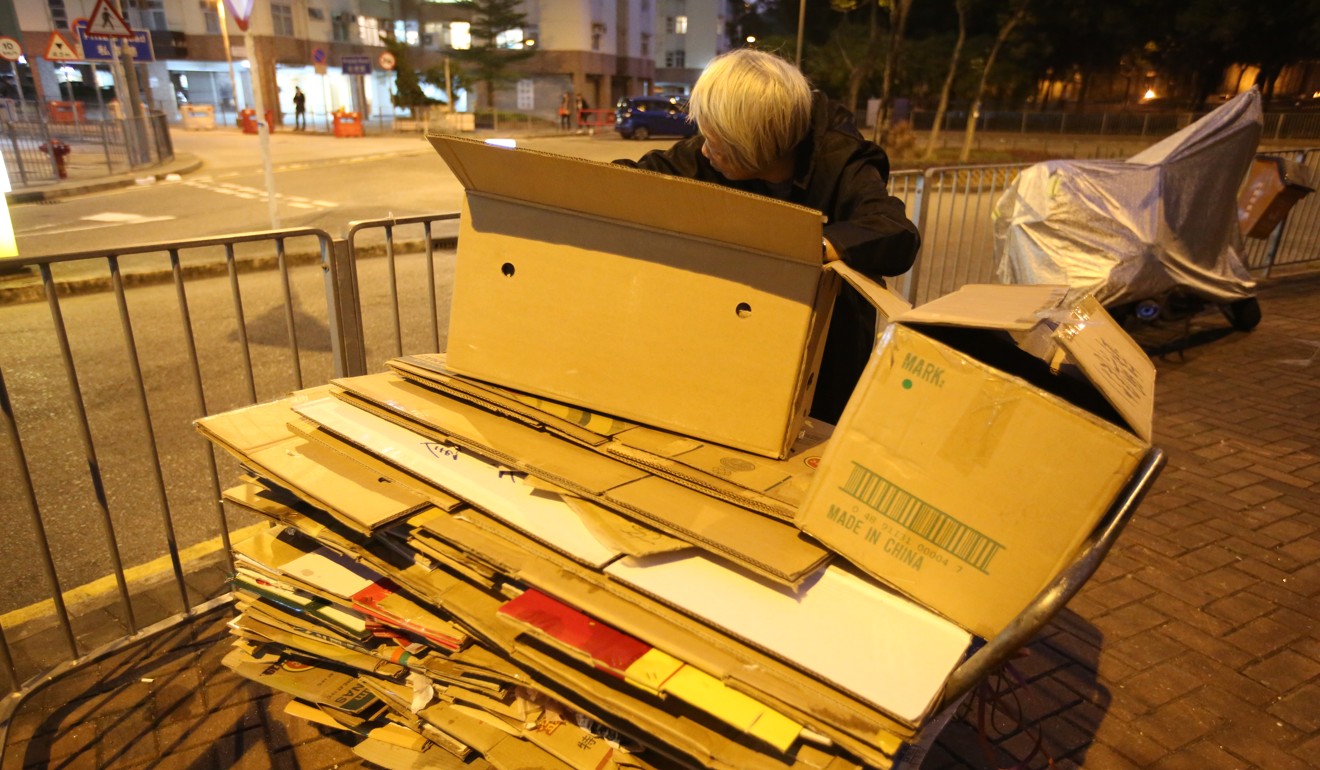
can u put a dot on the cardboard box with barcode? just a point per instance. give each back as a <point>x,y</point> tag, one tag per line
<point>990,432</point>
<point>663,301</point>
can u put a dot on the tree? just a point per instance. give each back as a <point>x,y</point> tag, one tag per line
<point>408,91</point>
<point>847,61</point>
<point>899,10</point>
<point>961,7</point>
<point>486,61</point>
<point>1017,13</point>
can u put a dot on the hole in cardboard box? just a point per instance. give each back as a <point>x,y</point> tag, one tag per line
<point>507,269</point>
<point>743,310</point>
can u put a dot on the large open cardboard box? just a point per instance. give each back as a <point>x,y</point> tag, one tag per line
<point>989,433</point>
<point>660,300</point>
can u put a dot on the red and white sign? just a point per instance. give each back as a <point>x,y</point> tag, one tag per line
<point>386,60</point>
<point>241,10</point>
<point>10,49</point>
<point>105,21</point>
<point>60,49</point>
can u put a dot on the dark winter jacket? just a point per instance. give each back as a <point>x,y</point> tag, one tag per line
<point>845,177</point>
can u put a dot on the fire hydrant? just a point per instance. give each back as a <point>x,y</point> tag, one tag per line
<point>58,150</point>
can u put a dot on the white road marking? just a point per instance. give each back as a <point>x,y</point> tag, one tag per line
<point>254,193</point>
<point>104,219</point>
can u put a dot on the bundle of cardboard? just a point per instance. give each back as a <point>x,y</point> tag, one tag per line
<point>566,543</point>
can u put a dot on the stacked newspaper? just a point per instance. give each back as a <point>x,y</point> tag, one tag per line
<point>458,574</point>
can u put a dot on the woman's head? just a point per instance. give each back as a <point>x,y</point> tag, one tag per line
<point>753,108</point>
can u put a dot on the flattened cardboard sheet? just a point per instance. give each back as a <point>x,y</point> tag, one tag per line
<point>880,646</point>
<point>771,548</point>
<point>483,484</point>
<point>770,486</point>
<point>259,436</point>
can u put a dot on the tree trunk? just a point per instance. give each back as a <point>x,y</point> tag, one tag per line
<point>861,72</point>
<point>898,16</point>
<point>961,7</point>
<point>490,100</point>
<point>1004,32</point>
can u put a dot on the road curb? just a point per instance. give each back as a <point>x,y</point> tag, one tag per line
<point>31,288</point>
<point>186,165</point>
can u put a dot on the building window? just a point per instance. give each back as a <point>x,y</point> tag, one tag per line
<point>646,45</point>
<point>339,26</point>
<point>368,30</point>
<point>58,13</point>
<point>680,25</point>
<point>460,36</point>
<point>407,32</point>
<point>597,32</point>
<point>676,58</point>
<point>281,17</point>
<point>433,33</point>
<point>210,17</point>
<point>509,38</point>
<point>146,14</point>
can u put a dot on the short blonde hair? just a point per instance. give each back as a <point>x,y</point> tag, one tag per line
<point>754,103</point>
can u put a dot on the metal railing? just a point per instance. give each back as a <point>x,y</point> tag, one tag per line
<point>118,457</point>
<point>97,147</point>
<point>1134,123</point>
<point>1297,239</point>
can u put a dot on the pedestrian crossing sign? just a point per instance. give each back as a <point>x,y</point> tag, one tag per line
<point>105,21</point>
<point>60,49</point>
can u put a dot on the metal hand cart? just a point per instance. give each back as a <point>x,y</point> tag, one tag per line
<point>991,656</point>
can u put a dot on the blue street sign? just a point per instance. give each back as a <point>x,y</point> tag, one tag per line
<point>355,65</point>
<point>105,49</point>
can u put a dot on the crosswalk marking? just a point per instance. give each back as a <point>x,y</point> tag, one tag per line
<point>255,193</point>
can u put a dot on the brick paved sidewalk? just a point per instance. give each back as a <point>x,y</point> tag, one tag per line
<point>1196,645</point>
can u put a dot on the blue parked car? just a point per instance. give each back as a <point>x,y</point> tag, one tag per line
<point>645,116</point>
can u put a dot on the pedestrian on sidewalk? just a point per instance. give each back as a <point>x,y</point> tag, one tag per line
<point>564,120</point>
<point>763,130</point>
<point>299,109</point>
<point>584,116</point>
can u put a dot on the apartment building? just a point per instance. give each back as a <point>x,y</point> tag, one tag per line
<point>601,49</point>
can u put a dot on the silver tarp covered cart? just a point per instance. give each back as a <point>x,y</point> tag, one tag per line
<point>1164,221</point>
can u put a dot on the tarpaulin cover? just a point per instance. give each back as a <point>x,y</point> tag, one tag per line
<point>1128,230</point>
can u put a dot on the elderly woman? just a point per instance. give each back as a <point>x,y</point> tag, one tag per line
<point>763,130</point>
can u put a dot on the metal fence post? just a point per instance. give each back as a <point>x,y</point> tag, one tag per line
<point>18,156</point>
<point>343,308</point>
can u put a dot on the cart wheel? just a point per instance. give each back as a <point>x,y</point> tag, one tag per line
<point>1244,314</point>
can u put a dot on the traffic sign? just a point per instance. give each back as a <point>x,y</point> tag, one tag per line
<point>355,65</point>
<point>105,49</point>
<point>10,49</point>
<point>319,59</point>
<point>59,49</point>
<point>241,10</point>
<point>386,60</point>
<point>106,22</point>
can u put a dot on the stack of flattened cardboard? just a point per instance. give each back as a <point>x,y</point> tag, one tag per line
<point>527,571</point>
<point>469,569</point>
